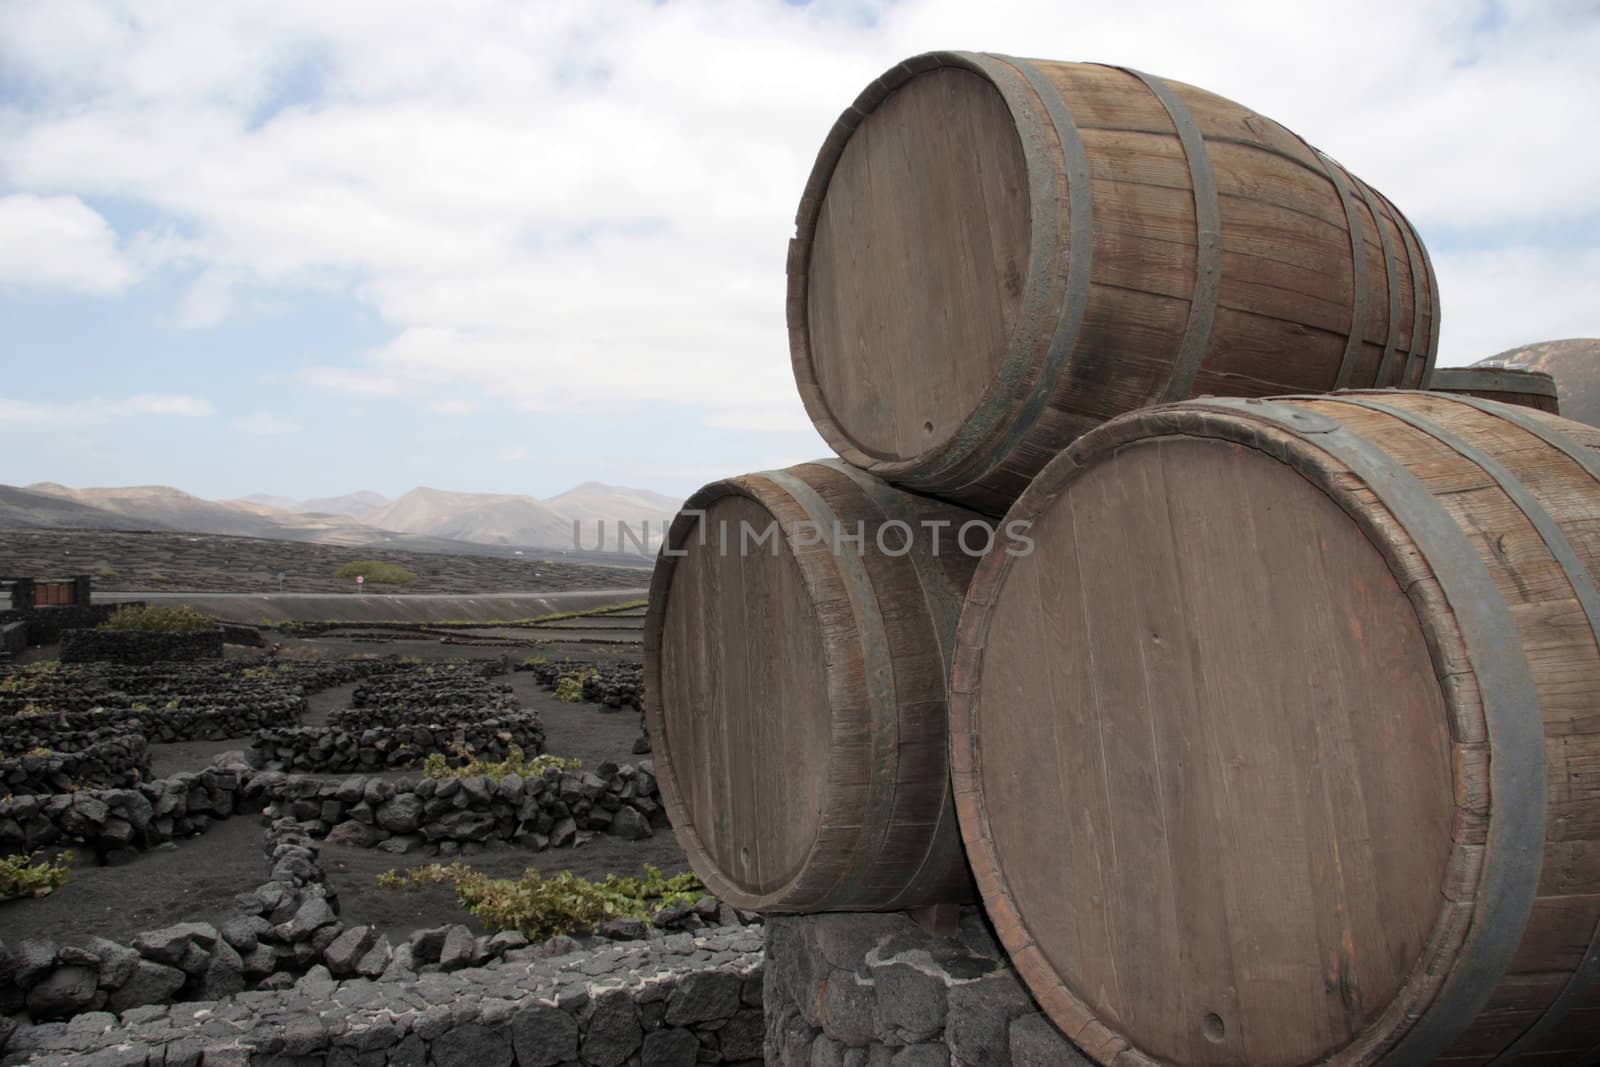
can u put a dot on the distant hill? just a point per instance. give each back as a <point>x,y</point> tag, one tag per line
<point>357,505</point>
<point>425,519</point>
<point>483,518</point>
<point>267,500</point>
<point>362,504</point>
<point>1573,363</point>
<point>593,502</point>
<point>161,507</point>
<point>31,508</point>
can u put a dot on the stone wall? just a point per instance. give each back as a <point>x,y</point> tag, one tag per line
<point>677,1001</point>
<point>445,815</point>
<point>134,647</point>
<point>337,750</point>
<point>235,633</point>
<point>400,815</point>
<point>199,722</point>
<point>116,824</point>
<point>856,990</point>
<point>277,932</point>
<point>281,928</point>
<point>13,637</point>
<point>45,625</point>
<point>63,761</point>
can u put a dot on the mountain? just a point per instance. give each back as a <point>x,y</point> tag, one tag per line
<point>484,518</point>
<point>424,519</point>
<point>593,502</point>
<point>357,505</point>
<point>30,507</point>
<point>162,507</point>
<point>361,504</point>
<point>1573,363</point>
<point>267,500</point>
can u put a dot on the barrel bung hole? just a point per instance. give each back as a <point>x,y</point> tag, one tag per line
<point>1213,1029</point>
<point>744,857</point>
<point>927,427</point>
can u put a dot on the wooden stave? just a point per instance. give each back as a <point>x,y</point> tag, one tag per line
<point>1511,385</point>
<point>941,875</point>
<point>1231,419</point>
<point>1026,415</point>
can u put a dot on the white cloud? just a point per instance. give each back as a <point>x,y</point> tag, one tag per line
<point>265,423</point>
<point>571,207</point>
<point>349,381</point>
<point>26,415</point>
<point>208,301</point>
<point>59,242</point>
<point>1509,297</point>
<point>161,404</point>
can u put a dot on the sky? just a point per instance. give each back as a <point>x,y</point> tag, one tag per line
<point>301,248</point>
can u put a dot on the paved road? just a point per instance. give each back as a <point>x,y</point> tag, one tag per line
<point>380,607</point>
<point>121,595</point>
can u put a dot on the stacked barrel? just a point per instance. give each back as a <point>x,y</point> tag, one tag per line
<point>1259,702</point>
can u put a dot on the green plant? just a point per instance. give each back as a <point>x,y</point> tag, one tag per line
<point>377,571</point>
<point>535,661</point>
<point>569,687</point>
<point>302,627</point>
<point>516,762</point>
<point>263,673</point>
<point>106,571</point>
<point>26,678</point>
<point>152,620</point>
<point>22,876</point>
<point>541,906</point>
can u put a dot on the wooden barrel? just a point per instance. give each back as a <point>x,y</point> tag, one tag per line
<point>994,255</point>
<point>795,689</point>
<point>1281,747</point>
<point>1511,385</point>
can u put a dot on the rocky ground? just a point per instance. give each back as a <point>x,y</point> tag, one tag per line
<point>214,563</point>
<point>198,879</point>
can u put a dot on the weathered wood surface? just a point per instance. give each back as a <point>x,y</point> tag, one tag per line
<point>1311,689</point>
<point>795,690</point>
<point>1510,385</point>
<point>994,255</point>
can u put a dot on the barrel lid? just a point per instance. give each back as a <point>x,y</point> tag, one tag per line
<point>740,730</point>
<point>916,255</point>
<point>1202,754</point>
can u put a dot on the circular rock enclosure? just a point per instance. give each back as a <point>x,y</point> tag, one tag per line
<point>379,765</point>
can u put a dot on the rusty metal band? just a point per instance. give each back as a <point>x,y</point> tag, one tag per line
<point>1208,240</point>
<point>1514,847</point>
<point>1413,245</point>
<point>944,603</point>
<point>975,446</point>
<point>1389,278</point>
<point>1358,279</point>
<point>1492,380</point>
<point>944,607</point>
<point>1569,446</point>
<point>1583,587</point>
<point>879,681</point>
<point>987,418</point>
<point>1080,259</point>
